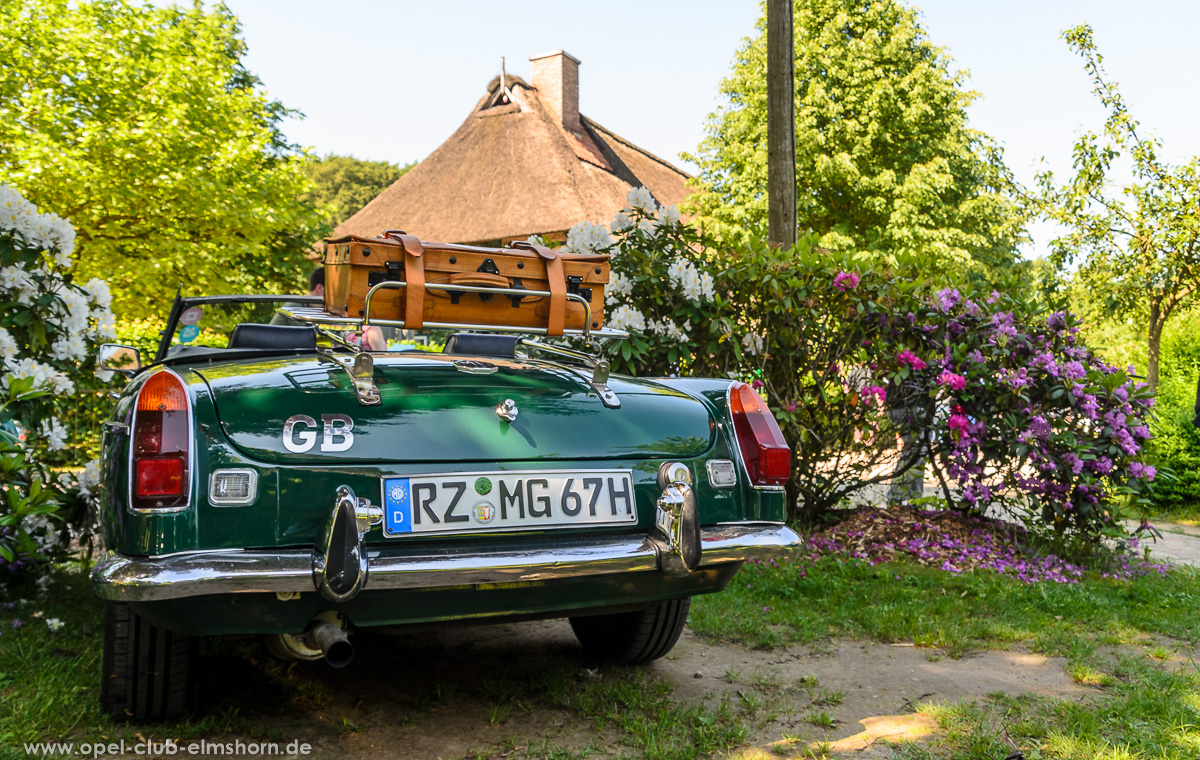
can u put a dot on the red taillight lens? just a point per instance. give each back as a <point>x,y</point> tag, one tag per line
<point>767,455</point>
<point>159,477</point>
<point>161,444</point>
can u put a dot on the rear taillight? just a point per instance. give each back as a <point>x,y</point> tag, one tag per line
<point>767,456</point>
<point>161,443</point>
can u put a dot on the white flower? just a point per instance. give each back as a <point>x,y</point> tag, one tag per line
<point>54,624</point>
<point>8,347</point>
<point>42,231</point>
<point>618,285</point>
<point>54,433</point>
<point>62,385</point>
<point>75,320</point>
<point>621,221</point>
<point>668,216</point>
<point>89,479</point>
<point>627,318</point>
<point>69,348</point>
<point>106,326</point>
<point>15,278</point>
<point>640,197</point>
<point>587,237</point>
<point>753,343</point>
<point>99,293</point>
<point>670,329</point>
<point>696,286</point>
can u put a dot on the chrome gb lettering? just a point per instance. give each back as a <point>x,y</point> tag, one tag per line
<point>336,435</point>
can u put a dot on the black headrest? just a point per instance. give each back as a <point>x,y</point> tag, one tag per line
<point>284,337</point>
<point>482,344</point>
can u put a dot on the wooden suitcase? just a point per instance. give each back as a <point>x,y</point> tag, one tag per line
<point>353,265</point>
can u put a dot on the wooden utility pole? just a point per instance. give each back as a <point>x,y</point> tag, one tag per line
<point>781,124</point>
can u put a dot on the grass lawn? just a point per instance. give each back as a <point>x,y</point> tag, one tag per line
<point>1133,640</point>
<point>1130,639</point>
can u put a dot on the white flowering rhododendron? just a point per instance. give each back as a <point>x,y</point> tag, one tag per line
<point>49,331</point>
<point>659,286</point>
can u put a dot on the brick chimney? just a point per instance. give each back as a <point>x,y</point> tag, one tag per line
<point>556,77</point>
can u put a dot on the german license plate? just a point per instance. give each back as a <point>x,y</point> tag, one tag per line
<point>494,501</point>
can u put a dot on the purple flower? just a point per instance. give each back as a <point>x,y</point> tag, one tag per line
<point>16,623</point>
<point>1089,407</point>
<point>1074,371</point>
<point>976,356</point>
<point>952,381</point>
<point>1074,462</point>
<point>1039,427</point>
<point>946,299</point>
<point>874,393</point>
<point>911,359</point>
<point>1002,322</point>
<point>845,281</point>
<point>1142,471</point>
<point>993,298</point>
<point>1045,361</point>
<point>756,383</point>
<point>1101,466</point>
<point>1018,378</point>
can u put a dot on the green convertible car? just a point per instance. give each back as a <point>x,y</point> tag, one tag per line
<point>272,479</point>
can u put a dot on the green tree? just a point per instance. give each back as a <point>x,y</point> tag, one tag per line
<point>344,184</point>
<point>885,163</point>
<point>143,127</point>
<point>1137,244</point>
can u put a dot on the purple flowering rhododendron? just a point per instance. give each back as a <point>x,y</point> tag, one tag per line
<point>845,281</point>
<point>1042,422</point>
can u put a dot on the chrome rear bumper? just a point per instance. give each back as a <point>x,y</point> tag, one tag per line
<point>394,566</point>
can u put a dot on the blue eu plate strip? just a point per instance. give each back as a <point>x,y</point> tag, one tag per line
<point>397,500</point>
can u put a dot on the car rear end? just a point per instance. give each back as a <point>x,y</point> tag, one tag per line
<point>266,498</point>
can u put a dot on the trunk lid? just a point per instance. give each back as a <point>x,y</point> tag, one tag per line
<point>431,411</point>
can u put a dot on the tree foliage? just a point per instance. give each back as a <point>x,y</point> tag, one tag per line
<point>144,128</point>
<point>885,162</point>
<point>344,184</point>
<point>1138,248</point>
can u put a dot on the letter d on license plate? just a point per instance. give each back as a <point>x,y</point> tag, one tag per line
<point>491,501</point>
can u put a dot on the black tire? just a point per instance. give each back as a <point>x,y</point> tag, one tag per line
<point>632,638</point>
<point>148,672</point>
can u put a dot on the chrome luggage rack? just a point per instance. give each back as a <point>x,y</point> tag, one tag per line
<point>320,316</point>
<point>361,366</point>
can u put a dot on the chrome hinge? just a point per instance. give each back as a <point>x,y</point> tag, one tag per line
<point>362,373</point>
<point>600,369</point>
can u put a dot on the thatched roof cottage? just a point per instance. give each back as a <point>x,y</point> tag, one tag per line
<point>524,162</point>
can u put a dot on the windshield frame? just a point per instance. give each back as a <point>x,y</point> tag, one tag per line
<point>182,304</point>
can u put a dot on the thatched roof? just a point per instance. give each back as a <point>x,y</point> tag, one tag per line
<point>512,170</point>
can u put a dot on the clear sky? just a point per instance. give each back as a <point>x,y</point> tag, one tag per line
<point>391,80</point>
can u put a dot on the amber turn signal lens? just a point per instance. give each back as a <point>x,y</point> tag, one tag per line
<point>162,393</point>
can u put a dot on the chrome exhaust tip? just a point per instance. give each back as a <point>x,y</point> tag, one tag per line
<point>333,643</point>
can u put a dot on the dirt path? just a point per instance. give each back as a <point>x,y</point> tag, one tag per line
<point>483,692</point>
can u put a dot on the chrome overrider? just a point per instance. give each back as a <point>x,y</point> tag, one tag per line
<point>343,565</point>
<point>339,563</point>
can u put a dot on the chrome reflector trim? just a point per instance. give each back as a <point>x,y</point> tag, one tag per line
<point>722,473</point>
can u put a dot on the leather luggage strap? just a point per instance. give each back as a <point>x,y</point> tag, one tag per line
<point>558,286</point>
<point>414,276</point>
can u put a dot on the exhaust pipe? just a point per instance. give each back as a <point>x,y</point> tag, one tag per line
<point>333,643</point>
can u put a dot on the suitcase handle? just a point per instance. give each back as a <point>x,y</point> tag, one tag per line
<point>414,274</point>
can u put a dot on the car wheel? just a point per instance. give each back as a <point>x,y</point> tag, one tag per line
<point>148,672</point>
<point>631,638</point>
